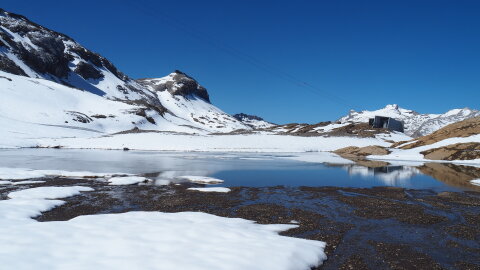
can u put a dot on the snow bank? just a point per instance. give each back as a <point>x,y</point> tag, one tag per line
<point>475,182</point>
<point>47,192</point>
<point>211,189</point>
<point>20,182</point>
<point>143,240</point>
<point>200,179</point>
<point>24,173</point>
<point>128,180</point>
<point>215,143</point>
<point>28,203</point>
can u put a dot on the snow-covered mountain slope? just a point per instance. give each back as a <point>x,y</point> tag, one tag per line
<point>416,124</point>
<point>185,98</point>
<point>79,78</point>
<point>33,108</point>
<point>450,117</point>
<point>29,49</point>
<point>253,121</point>
<point>36,108</point>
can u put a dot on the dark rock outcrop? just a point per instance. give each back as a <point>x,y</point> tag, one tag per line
<point>87,71</point>
<point>48,53</point>
<point>244,116</point>
<point>9,66</point>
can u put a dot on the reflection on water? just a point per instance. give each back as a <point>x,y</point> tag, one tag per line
<point>391,175</point>
<point>245,169</point>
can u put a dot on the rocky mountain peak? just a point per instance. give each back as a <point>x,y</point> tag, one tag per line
<point>177,83</point>
<point>416,124</point>
<point>392,107</point>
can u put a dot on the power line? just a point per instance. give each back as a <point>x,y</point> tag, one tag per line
<point>204,37</point>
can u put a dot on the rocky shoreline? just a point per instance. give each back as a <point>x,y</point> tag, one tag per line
<point>365,228</point>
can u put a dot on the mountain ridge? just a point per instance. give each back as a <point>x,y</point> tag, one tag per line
<point>416,124</point>
<point>30,50</point>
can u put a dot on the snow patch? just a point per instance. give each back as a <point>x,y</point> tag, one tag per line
<point>475,182</point>
<point>127,180</point>
<point>211,189</point>
<point>143,240</point>
<point>47,192</point>
<point>200,179</point>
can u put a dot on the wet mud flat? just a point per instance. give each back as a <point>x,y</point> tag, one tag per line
<point>365,228</point>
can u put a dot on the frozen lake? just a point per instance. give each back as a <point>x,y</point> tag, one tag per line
<point>240,169</point>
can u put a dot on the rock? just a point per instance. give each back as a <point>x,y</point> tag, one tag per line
<point>178,83</point>
<point>360,152</point>
<point>87,71</point>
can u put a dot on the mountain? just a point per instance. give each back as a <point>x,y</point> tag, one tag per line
<point>60,83</point>
<point>416,124</point>
<point>253,121</point>
<point>450,117</point>
<point>185,98</point>
<point>51,86</point>
<point>31,50</point>
<point>457,142</point>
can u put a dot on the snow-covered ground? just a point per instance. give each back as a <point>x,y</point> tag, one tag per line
<point>211,189</point>
<point>142,240</point>
<point>127,180</point>
<point>213,143</point>
<point>200,179</point>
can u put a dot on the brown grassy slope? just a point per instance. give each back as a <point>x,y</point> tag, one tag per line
<point>354,151</point>
<point>458,151</point>
<point>464,128</point>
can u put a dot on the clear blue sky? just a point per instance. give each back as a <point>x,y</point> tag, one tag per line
<point>423,55</point>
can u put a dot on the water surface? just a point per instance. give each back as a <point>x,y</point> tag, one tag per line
<point>243,169</point>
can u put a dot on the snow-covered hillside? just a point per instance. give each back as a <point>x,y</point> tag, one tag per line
<point>28,49</point>
<point>49,79</point>
<point>36,108</point>
<point>185,98</point>
<point>416,124</point>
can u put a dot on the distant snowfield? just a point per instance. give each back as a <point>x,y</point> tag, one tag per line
<point>142,240</point>
<point>213,143</point>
